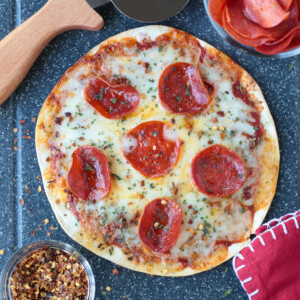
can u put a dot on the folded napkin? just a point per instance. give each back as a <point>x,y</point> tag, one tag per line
<point>269,266</point>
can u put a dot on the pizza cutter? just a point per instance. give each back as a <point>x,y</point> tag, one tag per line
<point>20,49</point>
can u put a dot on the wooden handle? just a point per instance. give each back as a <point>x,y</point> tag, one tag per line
<point>21,47</point>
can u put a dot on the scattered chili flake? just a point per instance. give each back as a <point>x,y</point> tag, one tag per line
<point>28,191</point>
<point>51,274</point>
<point>15,148</point>
<point>22,201</point>
<point>48,233</point>
<point>33,119</point>
<point>22,122</point>
<point>116,271</point>
<point>26,137</point>
<point>32,232</point>
<point>221,113</point>
<point>38,177</point>
<point>58,120</point>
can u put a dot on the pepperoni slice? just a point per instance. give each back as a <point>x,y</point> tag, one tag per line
<point>216,8</point>
<point>280,45</point>
<point>295,41</point>
<point>285,4</point>
<point>236,19</point>
<point>111,101</point>
<point>244,40</point>
<point>89,177</point>
<point>152,148</point>
<point>182,91</point>
<point>266,13</point>
<point>217,171</point>
<point>160,225</point>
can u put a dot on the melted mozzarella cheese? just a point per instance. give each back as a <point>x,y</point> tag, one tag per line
<point>203,223</point>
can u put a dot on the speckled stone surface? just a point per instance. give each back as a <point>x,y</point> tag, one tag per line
<point>279,80</point>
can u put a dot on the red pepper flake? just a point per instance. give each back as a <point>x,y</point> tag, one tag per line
<point>26,137</point>
<point>51,274</point>
<point>222,135</point>
<point>22,201</point>
<point>48,233</point>
<point>28,191</point>
<point>33,119</point>
<point>58,120</point>
<point>22,122</point>
<point>116,271</point>
<point>174,189</point>
<point>220,113</point>
<point>32,232</point>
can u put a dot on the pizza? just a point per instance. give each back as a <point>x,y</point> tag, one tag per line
<point>158,152</point>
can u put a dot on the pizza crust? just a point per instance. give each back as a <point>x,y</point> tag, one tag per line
<point>61,209</point>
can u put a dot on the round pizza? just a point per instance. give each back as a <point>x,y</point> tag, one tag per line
<point>158,152</point>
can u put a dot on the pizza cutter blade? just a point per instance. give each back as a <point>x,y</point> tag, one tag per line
<point>148,11</point>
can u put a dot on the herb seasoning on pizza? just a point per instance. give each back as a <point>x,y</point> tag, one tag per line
<point>158,152</point>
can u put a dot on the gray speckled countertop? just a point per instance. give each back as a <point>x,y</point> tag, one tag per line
<point>279,80</point>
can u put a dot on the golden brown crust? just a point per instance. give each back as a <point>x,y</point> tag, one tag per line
<point>55,185</point>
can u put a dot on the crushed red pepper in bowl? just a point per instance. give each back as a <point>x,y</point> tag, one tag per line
<point>47,270</point>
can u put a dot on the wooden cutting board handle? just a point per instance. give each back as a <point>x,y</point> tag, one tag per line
<point>21,47</point>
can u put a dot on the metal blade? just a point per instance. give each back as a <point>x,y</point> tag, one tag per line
<point>150,11</point>
<point>96,3</point>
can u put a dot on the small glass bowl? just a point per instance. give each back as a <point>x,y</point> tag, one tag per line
<point>26,250</point>
<point>223,33</point>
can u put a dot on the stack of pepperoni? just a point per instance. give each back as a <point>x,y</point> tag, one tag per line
<point>269,26</point>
